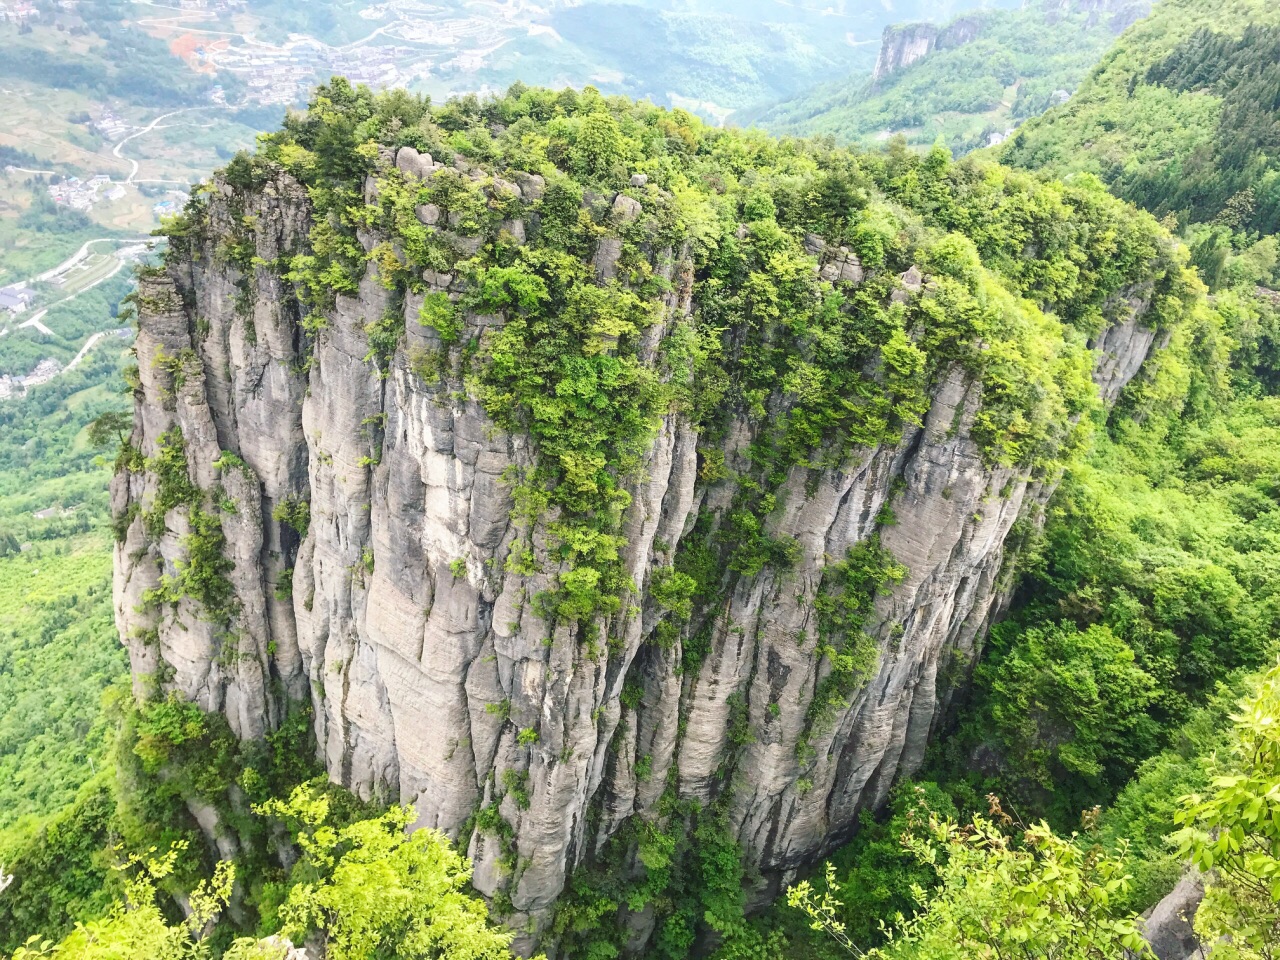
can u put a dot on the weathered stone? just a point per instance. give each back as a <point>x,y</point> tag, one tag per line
<point>1121,347</point>
<point>428,213</point>
<point>639,179</point>
<point>418,641</point>
<point>608,251</point>
<point>814,245</point>
<point>909,283</point>
<point>848,267</point>
<point>626,209</point>
<point>515,230</point>
<point>532,186</point>
<point>437,281</point>
<point>1167,926</point>
<point>500,187</point>
<point>415,164</point>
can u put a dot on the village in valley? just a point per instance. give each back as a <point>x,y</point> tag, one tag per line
<point>102,157</point>
<point>144,163</point>
<point>405,43</point>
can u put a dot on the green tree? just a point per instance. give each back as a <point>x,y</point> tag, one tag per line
<point>1027,894</point>
<point>1232,833</point>
<point>1066,703</point>
<point>114,425</point>
<point>137,927</point>
<point>599,145</point>
<point>372,890</point>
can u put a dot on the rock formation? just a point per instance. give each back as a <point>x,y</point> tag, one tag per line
<point>902,44</point>
<point>365,552</point>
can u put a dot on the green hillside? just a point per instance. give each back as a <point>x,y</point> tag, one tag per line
<point>58,644</point>
<point>1021,63</point>
<point>1181,117</point>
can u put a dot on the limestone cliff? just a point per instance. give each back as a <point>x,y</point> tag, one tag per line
<point>902,44</point>
<point>905,43</point>
<point>321,511</point>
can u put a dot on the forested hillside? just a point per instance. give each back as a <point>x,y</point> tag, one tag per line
<point>58,649</point>
<point>1003,67</point>
<point>1179,117</point>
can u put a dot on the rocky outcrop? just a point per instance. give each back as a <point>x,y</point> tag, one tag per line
<point>399,612</point>
<point>1168,925</point>
<point>903,44</point>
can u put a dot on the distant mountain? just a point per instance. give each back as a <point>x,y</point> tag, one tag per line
<point>969,81</point>
<point>718,55</point>
<point>1181,117</point>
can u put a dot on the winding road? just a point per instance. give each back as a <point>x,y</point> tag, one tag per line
<point>145,130</point>
<point>81,254</point>
<point>35,321</point>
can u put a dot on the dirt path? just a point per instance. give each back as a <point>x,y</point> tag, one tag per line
<point>145,130</point>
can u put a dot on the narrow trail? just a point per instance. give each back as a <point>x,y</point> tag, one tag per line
<point>145,130</point>
<point>89,344</point>
<point>35,320</point>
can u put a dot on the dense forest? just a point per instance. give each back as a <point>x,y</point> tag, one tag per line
<point>58,651</point>
<point>1120,726</point>
<point>1179,117</point>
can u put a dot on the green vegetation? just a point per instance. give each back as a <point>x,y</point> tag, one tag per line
<point>828,367</point>
<point>1177,117</point>
<point>1231,832</point>
<point>1145,606</point>
<point>373,890</point>
<point>1017,64</point>
<point>1141,615</point>
<point>1019,273</point>
<point>1003,888</point>
<point>361,884</point>
<point>72,323</point>
<point>58,646</point>
<point>125,63</point>
<point>1024,892</point>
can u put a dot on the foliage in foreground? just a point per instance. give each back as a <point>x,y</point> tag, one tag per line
<point>362,891</point>
<point>1030,893</point>
<point>1001,893</point>
<point>1232,833</point>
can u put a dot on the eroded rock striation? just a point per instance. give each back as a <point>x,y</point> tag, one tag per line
<point>342,491</point>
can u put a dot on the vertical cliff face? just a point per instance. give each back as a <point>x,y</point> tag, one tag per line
<point>319,509</point>
<point>903,44</point>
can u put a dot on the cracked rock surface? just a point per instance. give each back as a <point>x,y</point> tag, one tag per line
<point>398,617</point>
